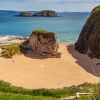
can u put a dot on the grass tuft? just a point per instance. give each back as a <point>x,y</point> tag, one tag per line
<point>9,50</point>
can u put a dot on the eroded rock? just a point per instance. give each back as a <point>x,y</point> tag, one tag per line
<point>44,43</point>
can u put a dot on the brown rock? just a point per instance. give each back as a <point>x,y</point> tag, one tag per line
<point>44,43</point>
<point>89,39</point>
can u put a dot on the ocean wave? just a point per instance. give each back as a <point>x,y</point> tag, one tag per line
<point>6,40</point>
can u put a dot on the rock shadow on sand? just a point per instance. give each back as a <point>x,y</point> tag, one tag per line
<point>34,55</point>
<point>88,64</point>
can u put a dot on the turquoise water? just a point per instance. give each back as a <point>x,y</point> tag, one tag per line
<point>67,27</point>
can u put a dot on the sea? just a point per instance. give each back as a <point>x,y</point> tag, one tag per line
<point>67,26</point>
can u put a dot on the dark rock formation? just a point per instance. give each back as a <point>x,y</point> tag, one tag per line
<point>46,13</point>
<point>44,43</point>
<point>25,14</point>
<point>89,39</point>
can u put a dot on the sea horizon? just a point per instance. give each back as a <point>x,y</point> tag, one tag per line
<point>46,9</point>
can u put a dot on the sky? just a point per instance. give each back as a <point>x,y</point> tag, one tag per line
<point>58,5</point>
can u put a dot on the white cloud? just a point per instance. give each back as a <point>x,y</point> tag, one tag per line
<point>59,5</point>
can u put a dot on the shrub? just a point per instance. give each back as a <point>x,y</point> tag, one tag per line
<point>96,94</point>
<point>9,50</point>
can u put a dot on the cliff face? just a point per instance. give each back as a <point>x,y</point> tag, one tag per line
<point>89,39</point>
<point>25,14</point>
<point>46,13</point>
<point>44,43</point>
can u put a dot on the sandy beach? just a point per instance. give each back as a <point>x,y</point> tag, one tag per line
<point>33,71</point>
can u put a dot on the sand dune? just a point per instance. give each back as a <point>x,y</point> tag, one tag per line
<point>34,71</point>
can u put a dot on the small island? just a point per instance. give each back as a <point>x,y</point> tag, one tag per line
<point>43,13</point>
<point>46,13</point>
<point>25,14</point>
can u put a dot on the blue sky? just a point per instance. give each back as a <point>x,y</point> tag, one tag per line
<point>58,5</point>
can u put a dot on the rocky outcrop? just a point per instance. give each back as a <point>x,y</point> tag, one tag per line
<point>43,43</point>
<point>25,14</point>
<point>89,39</point>
<point>46,13</point>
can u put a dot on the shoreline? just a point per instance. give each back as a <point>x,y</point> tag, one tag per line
<point>11,39</point>
<point>33,71</point>
<point>16,39</point>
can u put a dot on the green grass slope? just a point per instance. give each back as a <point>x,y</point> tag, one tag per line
<point>11,96</point>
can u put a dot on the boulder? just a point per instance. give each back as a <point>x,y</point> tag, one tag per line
<point>25,14</point>
<point>46,13</point>
<point>43,43</point>
<point>89,39</point>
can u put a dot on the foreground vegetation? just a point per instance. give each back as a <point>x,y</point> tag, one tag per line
<point>9,92</point>
<point>9,50</point>
<point>84,98</point>
<point>57,93</point>
<point>11,96</point>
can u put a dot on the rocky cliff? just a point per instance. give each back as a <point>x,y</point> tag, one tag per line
<point>43,42</point>
<point>25,14</point>
<point>46,13</point>
<point>89,39</point>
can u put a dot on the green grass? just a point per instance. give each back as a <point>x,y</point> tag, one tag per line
<point>9,50</point>
<point>43,32</point>
<point>57,93</point>
<point>40,31</point>
<point>10,92</point>
<point>83,98</point>
<point>11,96</point>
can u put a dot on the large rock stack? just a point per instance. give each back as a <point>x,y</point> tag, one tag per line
<point>89,39</point>
<point>44,43</point>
